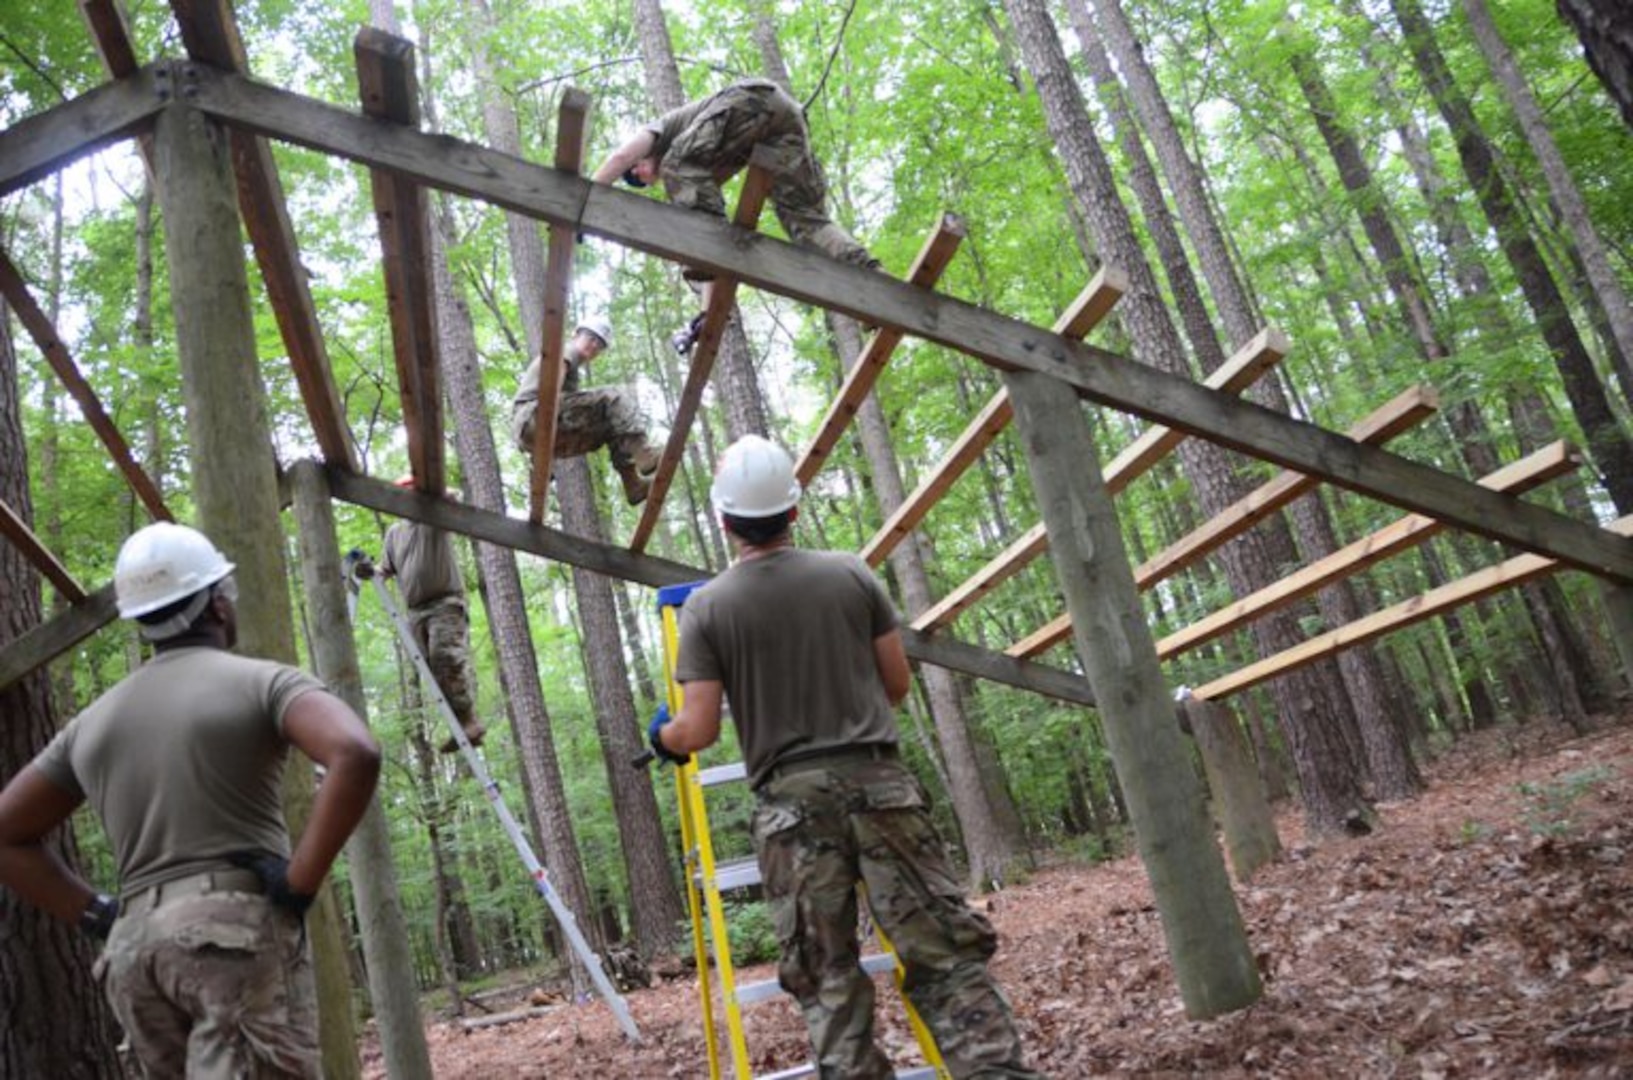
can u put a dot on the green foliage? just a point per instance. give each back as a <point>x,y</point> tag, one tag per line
<point>752,933</point>
<point>1548,806</point>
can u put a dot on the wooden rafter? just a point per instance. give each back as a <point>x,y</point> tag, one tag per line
<point>722,298</point>
<point>49,343</point>
<point>211,35</point>
<point>1094,374</point>
<point>389,89</point>
<point>1551,461</point>
<point>572,124</point>
<point>13,528</point>
<point>1402,414</point>
<point>932,259</point>
<point>1506,575</point>
<point>1092,305</point>
<point>1233,377</point>
<point>44,643</point>
<point>37,146</point>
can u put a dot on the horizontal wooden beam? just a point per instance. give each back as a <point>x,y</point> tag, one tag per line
<point>1007,344</point>
<point>389,88</point>
<point>932,259</point>
<point>39,145</point>
<point>572,124</point>
<point>1092,305</point>
<point>722,300</point>
<point>1406,411</point>
<point>39,327</point>
<point>1465,590</point>
<point>626,565</point>
<point>1258,356</point>
<point>49,640</point>
<point>1402,535</point>
<point>15,529</point>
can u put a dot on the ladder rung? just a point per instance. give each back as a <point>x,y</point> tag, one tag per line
<point>915,1072</point>
<point>755,992</point>
<point>737,874</point>
<point>722,774</point>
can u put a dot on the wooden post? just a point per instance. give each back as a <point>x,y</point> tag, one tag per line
<point>1206,939</point>
<point>393,987</point>
<point>1619,604</point>
<point>1239,801</point>
<point>235,482</point>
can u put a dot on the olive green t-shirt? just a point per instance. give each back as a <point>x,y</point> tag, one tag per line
<point>790,635</point>
<point>183,762</point>
<point>422,557</point>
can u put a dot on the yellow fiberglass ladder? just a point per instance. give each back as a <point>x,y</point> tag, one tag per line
<point>707,880</point>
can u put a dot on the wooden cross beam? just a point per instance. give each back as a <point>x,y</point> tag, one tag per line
<point>13,528</point>
<point>390,92</point>
<point>1085,313</point>
<point>211,35</point>
<point>572,124</point>
<point>1506,575</point>
<point>932,259</point>
<point>1233,377</point>
<point>37,146</point>
<point>45,337</point>
<point>44,643</point>
<point>722,298</point>
<point>1402,535</point>
<point>1402,414</point>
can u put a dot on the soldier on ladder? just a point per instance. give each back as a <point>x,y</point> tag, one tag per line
<point>805,647</point>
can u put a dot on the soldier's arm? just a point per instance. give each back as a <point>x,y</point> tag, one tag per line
<point>326,730</point>
<point>624,158</point>
<point>698,725</point>
<point>891,657</point>
<point>31,806</point>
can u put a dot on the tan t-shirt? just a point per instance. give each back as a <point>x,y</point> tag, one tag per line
<point>183,761</point>
<point>790,634</point>
<point>422,557</point>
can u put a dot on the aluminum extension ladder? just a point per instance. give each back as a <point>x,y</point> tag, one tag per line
<point>536,871</point>
<point>707,880</point>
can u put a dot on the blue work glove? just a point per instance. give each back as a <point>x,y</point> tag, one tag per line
<point>659,719</point>
<point>273,870</point>
<point>98,917</point>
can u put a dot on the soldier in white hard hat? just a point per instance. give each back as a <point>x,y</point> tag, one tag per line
<point>587,420</point>
<point>806,648</point>
<point>206,964</point>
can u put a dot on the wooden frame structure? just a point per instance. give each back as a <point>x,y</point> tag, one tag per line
<point>404,161</point>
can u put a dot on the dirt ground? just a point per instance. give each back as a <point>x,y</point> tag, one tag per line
<point>1484,930</point>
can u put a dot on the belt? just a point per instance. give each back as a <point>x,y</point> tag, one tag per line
<point>806,760</point>
<point>246,881</point>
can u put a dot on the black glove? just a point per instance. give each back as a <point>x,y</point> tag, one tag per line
<point>98,917</point>
<point>659,719</point>
<point>273,870</point>
<point>359,564</point>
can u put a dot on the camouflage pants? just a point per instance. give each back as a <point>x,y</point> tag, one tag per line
<point>819,832</point>
<point>588,420</point>
<point>442,629</point>
<point>212,985</point>
<point>717,145</point>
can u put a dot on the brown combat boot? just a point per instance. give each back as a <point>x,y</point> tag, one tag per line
<point>474,731</point>
<point>636,468</point>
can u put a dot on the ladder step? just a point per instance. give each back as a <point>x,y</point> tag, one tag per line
<point>722,774</point>
<point>916,1072</point>
<point>755,992</point>
<point>737,874</point>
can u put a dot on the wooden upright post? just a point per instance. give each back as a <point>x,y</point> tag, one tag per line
<point>1619,603</point>
<point>393,986</point>
<point>235,482</point>
<point>1206,939</point>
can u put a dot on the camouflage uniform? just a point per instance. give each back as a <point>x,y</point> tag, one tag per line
<point>442,629</point>
<point>586,420</point>
<point>422,557</point>
<point>703,144</point>
<point>824,825</point>
<point>212,982</point>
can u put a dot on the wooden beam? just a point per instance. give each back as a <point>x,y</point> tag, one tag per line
<point>1233,377</point>
<point>15,529</point>
<point>1402,535</point>
<point>39,145</point>
<point>389,89</point>
<point>1092,305</point>
<point>45,338</point>
<point>106,21</point>
<point>811,277</point>
<point>626,565</point>
<point>932,259</point>
<point>572,121</point>
<point>49,640</point>
<point>1402,414</point>
<point>210,33</point>
<point>1506,575</point>
<point>722,299</point>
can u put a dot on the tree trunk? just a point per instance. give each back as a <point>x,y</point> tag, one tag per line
<point>1606,30</point>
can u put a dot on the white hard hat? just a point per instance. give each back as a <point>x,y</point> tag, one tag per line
<point>599,326</point>
<point>162,564</point>
<point>755,479</point>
